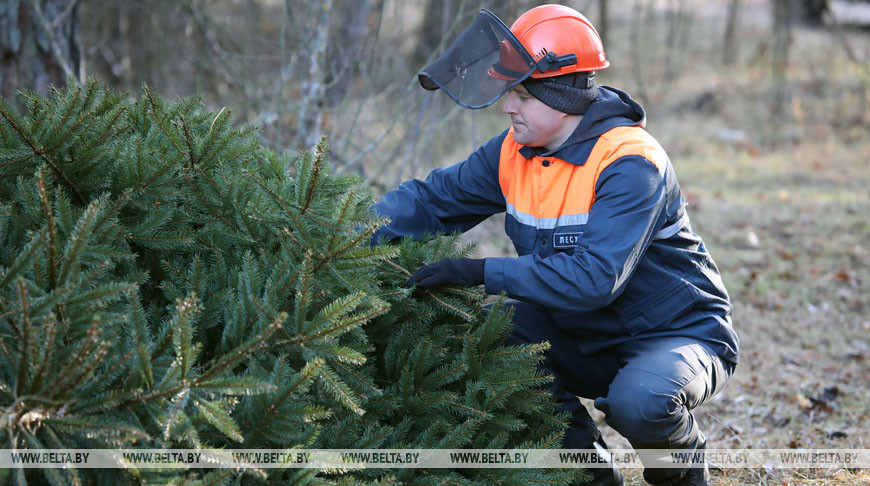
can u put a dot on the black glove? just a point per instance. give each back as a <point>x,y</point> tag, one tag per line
<point>462,271</point>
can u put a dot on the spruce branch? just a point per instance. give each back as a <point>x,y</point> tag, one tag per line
<point>527,351</point>
<point>179,402</point>
<point>102,351</point>
<point>220,127</point>
<point>90,340</point>
<point>159,172</point>
<point>235,386</point>
<point>356,375</point>
<point>232,357</point>
<point>95,425</point>
<point>107,130</point>
<point>219,418</point>
<point>453,309</point>
<point>66,133</point>
<point>313,178</point>
<point>339,389</point>
<point>242,214</point>
<point>23,339</point>
<point>301,380</point>
<point>216,213</point>
<point>186,312</point>
<point>172,135</point>
<point>303,294</point>
<point>48,346</point>
<point>340,327</point>
<point>77,240</point>
<point>41,153</point>
<point>141,337</point>
<point>23,258</point>
<point>52,229</point>
<point>70,103</point>
<point>529,381</point>
<point>188,140</point>
<point>364,235</point>
<point>288,206</point>
<point>113,209</point>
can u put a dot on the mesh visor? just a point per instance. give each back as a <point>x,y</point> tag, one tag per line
<point>483,63</point>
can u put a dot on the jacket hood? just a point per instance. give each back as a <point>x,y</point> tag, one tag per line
<point>612,108</point>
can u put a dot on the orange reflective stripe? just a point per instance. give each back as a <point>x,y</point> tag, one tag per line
<point>535,194</point>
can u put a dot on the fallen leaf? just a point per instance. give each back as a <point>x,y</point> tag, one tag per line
<point>843,275</point>
<point>802,401</point>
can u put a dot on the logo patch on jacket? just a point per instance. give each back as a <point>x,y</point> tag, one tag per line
<point>566,240</point>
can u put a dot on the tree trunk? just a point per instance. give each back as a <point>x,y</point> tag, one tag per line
<point>603,22</point>
<point>348,35</point>
<point>729,50</point>
<point>782,25</point>
<point>313,82</point>
<point>39,45</point>
<point>810,12</point>
<point>435,23</point>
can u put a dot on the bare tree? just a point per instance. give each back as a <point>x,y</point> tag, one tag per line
<point>437,18</point>
<point>346,44</point>
<point>39,45</point>
<point>309,115</point>
<point>810,12</point>
<point>782,32</point>
<point>729,50</point>
<point>603,21</point>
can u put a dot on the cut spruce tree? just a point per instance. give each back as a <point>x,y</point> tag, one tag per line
<point>168,282</point>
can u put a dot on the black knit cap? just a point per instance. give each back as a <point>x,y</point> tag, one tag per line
<point>568,93</point>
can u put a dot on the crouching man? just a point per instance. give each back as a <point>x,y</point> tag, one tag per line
<point>608,270</point>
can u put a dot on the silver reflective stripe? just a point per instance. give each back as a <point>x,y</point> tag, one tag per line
<point>547,223</point>
<point>580,219</point>
<point>672,229</point>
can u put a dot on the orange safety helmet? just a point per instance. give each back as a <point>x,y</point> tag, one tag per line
<point>560,30</point>
<point>488,59</point>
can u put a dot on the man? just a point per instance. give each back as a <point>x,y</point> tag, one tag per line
<point>608,268</point>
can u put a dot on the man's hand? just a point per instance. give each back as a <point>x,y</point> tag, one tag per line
<point>462,271</point>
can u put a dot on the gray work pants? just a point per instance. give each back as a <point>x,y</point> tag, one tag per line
<point>646,388</point>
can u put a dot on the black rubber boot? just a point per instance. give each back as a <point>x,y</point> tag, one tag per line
<point>603,476</point>
<point>695,476</point>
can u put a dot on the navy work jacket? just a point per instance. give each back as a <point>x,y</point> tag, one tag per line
<point>599,225</point>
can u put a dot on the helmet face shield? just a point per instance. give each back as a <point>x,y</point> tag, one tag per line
<point>483,63</point>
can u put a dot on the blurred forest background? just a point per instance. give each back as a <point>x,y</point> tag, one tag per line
<point>761,104</point>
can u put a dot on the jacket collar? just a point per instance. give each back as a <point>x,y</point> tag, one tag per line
<point>612,108</point>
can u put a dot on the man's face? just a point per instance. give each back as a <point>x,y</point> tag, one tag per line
<point>536,124</point>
